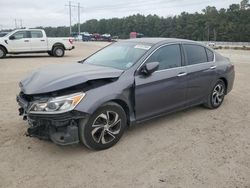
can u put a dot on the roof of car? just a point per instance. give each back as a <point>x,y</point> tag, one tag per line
<point>158,40</point>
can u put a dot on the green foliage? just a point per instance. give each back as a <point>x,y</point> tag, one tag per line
<point>232,24</point>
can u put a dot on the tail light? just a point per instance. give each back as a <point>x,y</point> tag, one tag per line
<point>71,41</point>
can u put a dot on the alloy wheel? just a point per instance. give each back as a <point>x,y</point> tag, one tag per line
<point>218,94</point>
<point>106,127</point>
<point>59,52</point>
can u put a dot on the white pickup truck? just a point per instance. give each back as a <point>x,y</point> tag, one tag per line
<point>33,41</point>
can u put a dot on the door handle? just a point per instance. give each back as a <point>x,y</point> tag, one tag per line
<point>182,74</point>
<point>42,40</point>
<point>213,67</point>
<point>26,40</point>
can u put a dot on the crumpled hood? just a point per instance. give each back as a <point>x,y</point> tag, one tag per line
<point>57,77</point>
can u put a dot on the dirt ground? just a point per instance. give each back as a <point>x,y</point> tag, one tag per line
<point>193,148</point>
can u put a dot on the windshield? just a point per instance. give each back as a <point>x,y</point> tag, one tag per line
<point>120,55</point>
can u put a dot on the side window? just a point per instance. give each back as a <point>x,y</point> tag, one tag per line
<point>20,35</point>
<point>210,55</point>
<point>36,34</point>
<point>168,57</point>
<point>195,54</point>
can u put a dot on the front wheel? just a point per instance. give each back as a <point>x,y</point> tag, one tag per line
<point>2,53</point>
<point>216,96</point>
<point>104,128</point>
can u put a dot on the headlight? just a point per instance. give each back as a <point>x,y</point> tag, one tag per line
<point>57,105</point>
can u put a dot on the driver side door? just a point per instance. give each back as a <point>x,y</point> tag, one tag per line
<point>19,42</point>
<point>165,89</point>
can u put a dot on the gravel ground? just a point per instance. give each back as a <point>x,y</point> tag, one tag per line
<point>191,148</point>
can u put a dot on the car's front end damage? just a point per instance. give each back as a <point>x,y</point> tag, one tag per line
<point>48,100</point>
<point>48,122</point>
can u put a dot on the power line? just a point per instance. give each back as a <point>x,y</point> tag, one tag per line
<point>138,5</point>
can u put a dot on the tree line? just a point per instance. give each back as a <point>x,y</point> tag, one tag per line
<point>231,24</point>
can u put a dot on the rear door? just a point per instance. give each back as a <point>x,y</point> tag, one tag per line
<point>165,89</point>
<point>38,41</point>
<point>19,42</point>
<point>201,73</point>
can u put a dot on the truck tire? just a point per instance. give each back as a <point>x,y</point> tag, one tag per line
<point>2,52</point>
<point>58,51</point>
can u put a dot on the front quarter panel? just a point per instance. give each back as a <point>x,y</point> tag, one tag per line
<point>122,89</point>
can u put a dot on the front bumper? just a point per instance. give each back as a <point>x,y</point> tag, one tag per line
<point>62,129</point>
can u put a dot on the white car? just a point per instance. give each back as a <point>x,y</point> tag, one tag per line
<point>33,41</point>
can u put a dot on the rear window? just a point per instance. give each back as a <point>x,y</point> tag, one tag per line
<point>210,55</point>
<point>36,34</point>
<point>195,54</point>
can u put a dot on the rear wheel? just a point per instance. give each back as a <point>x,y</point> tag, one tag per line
<point>58,51</point>
<point>2,52</point>
<point>216,96</point>
<point>104,128</point>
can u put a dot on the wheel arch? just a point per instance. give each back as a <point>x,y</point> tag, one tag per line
<point>2,46</point>
<point>58,44</point>
<point>125,107</point>
<point>225,82</point>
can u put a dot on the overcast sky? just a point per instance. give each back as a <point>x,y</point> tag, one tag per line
<point>54,13</point>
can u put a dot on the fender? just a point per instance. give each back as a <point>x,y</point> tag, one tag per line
<point>58,44</point>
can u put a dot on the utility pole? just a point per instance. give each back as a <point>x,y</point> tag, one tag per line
<point>208,34</point>
<point>79,18</point>
<point>15,24</point>
<point>21,23</point>
<point>70,18</point>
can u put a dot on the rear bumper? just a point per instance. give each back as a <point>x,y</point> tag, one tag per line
<point>62,129</point>
<point>73,47</point>
<point>230,80</point>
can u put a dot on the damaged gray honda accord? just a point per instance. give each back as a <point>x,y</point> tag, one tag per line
<point>127,82</point>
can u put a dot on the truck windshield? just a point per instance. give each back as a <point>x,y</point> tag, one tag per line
<point>120,55</point>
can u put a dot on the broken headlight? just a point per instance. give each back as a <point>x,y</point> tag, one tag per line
<point>57,105</point>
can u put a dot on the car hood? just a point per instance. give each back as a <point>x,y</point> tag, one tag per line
<point>57,77</point>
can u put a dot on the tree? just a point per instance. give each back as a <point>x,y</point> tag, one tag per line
<point>232,24</point>
<point>244,4</point>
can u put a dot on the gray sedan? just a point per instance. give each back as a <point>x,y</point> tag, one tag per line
<point>127,82</point>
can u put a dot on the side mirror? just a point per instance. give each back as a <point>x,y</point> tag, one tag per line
<point>12,37</point>
<point>149,68</point>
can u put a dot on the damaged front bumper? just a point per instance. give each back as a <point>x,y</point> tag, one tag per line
<point>62,129</point>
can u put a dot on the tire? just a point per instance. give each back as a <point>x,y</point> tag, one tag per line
<point>50,53</point>
<point>216,96</point>
<point>98,133</point>
<point>58,51</point>
<point>2,53</point>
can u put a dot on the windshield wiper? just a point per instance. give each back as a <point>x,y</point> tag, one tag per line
<point>81,61</point>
